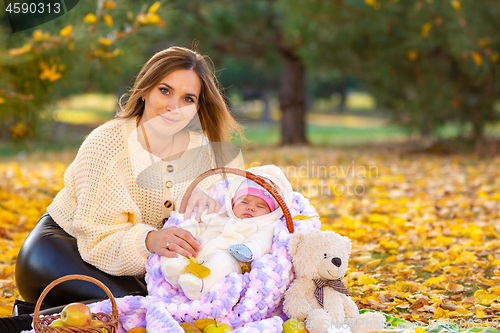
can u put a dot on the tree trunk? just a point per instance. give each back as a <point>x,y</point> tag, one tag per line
<point>343,98</point>
<point>292,99</point>
<point>266,113</point>
<point>425,130</point>
<point>478,125</point>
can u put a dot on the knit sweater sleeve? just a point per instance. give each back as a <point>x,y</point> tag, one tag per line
<point>107,223</point>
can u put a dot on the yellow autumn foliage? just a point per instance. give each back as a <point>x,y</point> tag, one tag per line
<point>104,41</point>
<point>426,28</point>
<point>66,31</point>
<point>478,59</point>
<point>403,249</point>
<point>108,20</point>
<point>154,7</point>
<point>456,4</point>
<point>109,4</point>
<point>90,18</point>
<point>412,55</point>
<point>49,73</point>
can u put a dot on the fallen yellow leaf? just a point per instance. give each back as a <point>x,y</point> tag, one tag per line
<point>441,313</point>
<point>480,314</point>
<point>434,280</point>
<point>390,258</point>
<point>367,280</point>
<point>373,263</point>
<point>6,310</point>
<point>454,287</point>
<point>302,217</point>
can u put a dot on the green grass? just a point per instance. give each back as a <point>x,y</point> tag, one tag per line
<point>255,134</point>
<point>260,134</point>
<point>9,150</point>
<point>356,102</point>
<point>87,110</point>
<point>324,127</point>
<point>69,141</point>
<point>92,109</point>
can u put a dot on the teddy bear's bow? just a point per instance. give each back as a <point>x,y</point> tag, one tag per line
<point>335,284</point>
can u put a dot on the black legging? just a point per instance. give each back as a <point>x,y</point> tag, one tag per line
<point>49,253</point>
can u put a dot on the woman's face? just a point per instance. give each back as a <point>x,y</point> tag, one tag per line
<point>173,102</point>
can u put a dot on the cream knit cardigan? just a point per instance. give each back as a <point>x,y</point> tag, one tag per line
<point>115,193</point>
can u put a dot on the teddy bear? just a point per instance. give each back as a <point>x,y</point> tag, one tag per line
<point>317,295</point>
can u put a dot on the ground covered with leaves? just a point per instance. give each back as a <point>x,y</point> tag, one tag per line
<point>425,228</point>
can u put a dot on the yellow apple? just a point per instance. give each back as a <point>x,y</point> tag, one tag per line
<point>76,314</point>
<point>56,323</point>
<point>203,322</point>
<point>96,322</point>
<point>218,328</point>
<point>294,326</point>
<point>138,329</point>
<point>189,328</point>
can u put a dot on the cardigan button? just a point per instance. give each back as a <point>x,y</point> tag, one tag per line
<point>170,168</point>
<point>168,204</point>
<point>169,184</point>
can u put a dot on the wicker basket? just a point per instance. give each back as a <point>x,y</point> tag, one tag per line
<point>41,325</point>
<point>258,179</point>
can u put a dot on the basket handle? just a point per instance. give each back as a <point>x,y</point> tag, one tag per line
<point>36,315</point>
<point>258,179</point>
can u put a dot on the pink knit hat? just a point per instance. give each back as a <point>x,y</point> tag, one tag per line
<point>249,187</point>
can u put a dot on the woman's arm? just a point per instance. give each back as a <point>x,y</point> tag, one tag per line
<point>108,225</point>
<point>171,241</point>
<point>97,205</point>
<point>202,200</point>
<point>114,238</point>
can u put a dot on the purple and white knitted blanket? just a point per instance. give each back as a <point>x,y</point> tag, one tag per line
<point>249,302</point>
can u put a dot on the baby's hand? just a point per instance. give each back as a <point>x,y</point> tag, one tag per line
<point>241,252</point>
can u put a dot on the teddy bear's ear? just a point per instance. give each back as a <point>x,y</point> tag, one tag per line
<point>293,243</point>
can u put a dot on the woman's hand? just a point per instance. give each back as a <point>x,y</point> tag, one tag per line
<point>171,241</point>
<point>201,200</point>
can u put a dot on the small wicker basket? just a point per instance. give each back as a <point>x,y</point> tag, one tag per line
<point>110,322</point>
<point>258,179</point>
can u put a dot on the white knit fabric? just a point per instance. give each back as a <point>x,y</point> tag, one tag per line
<point>115,192</point>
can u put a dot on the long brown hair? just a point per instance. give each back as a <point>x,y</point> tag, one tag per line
<point>216,121</point>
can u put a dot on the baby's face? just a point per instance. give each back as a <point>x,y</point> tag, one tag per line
<point>250,206</point>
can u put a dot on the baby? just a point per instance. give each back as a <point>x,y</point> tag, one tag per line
<point>228,239</point>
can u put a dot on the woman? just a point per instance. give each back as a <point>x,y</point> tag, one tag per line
<point>127,177</point>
